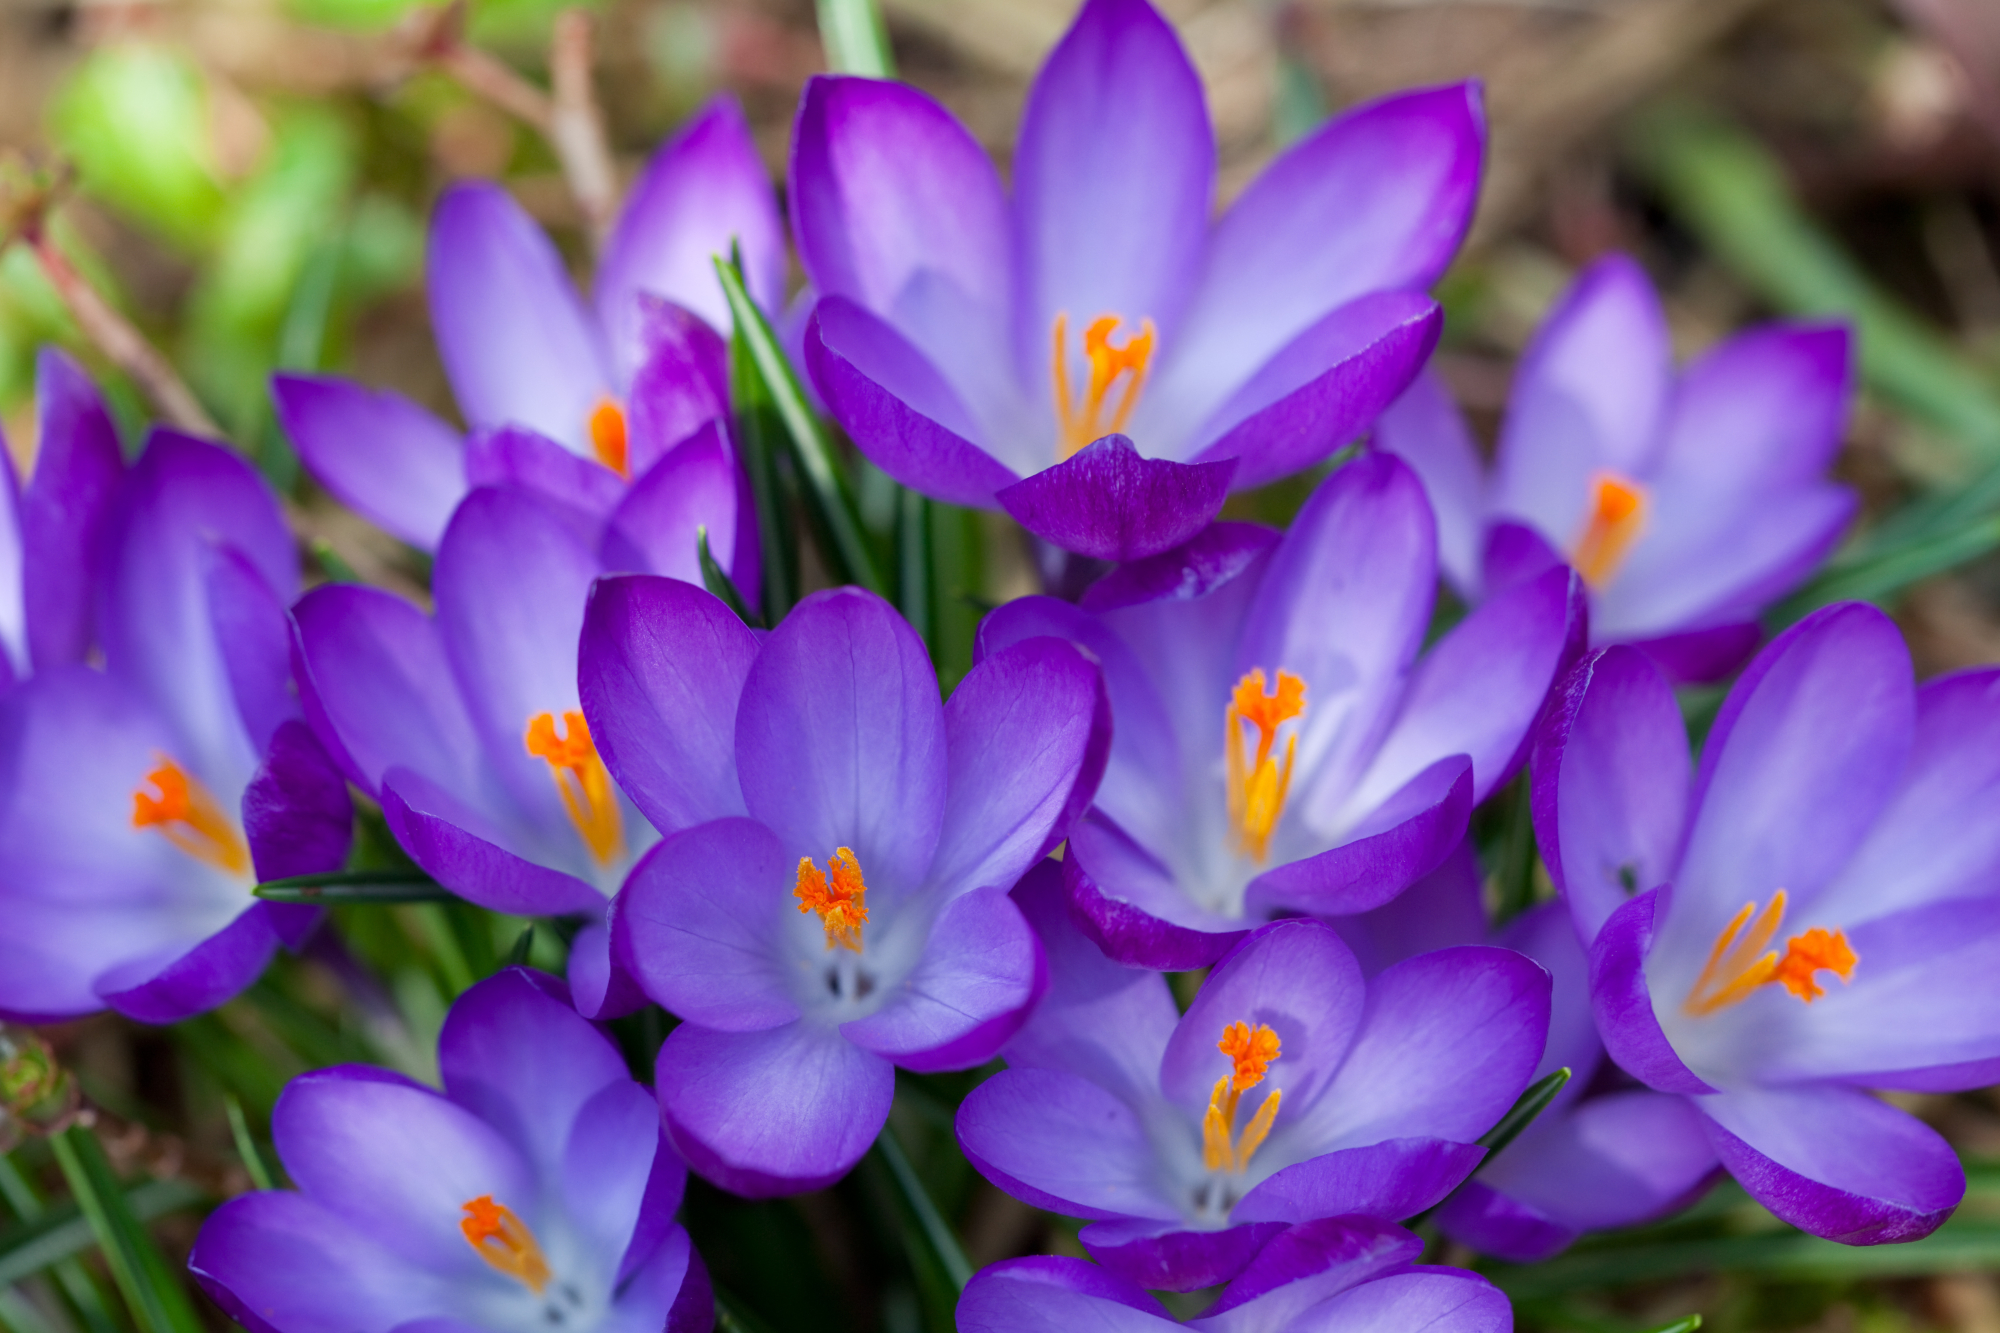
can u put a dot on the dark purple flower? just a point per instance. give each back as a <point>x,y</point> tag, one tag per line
<point>535,1192</point>
<point>1689,502</point>
<point>830,899</point>
<point>1340,1275</point>
<point>969,342</point>
<point>1292,1090</point>
<point>52,529</point>
<point>1810,913</point>
<point>147,799</point>
<point>1279,744</point>
<point>568,402</point>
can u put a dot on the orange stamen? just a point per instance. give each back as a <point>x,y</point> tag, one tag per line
<point>1083,422</point>
<point>1617,516</point>
<point>842,906</point>
<point>1741,962</point>
<point>190,818</point>
<point>583,781</point>
<point>504,1241</point>
<point>1250,1051</point>
<point>1257,785</point>
<point>607,435</point>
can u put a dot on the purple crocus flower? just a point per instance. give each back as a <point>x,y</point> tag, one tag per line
<point>582,406</point>
<point>1810,913</point>
<point>147,799</point>
<point>980,349</point>
<point>1689,503</point>
<point>52,529</point>
<point>1279,745</point>
<point>466,724</point>
<point>830,901</point>
<point>535,1192</point>
<point>1291,1090</point>
<point>1340,1275</point>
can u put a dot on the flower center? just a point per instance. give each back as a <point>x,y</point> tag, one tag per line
<point>1617,517</point>
<point>607,435</point>
<point>842,905</point>
<point>190,818</point>
<point>1258,782</point>
<point>504,1241</point>
<point>1082,422</point>
<point>1741,963</point>
<point>1250,1051</point>
<point>581,778</point>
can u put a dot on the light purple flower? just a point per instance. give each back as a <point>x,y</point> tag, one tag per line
<point>535,1192</point>
<point>1810,913</point>
<point>568,402</point>
<point>975,346</point>
<point>146,800</point>
<point>1292,1090</point>
<point>1280,744</point>
<point>1341,1275</point>
<point>52,529</point>
<point>830,901</point>
<point>1689,502</point>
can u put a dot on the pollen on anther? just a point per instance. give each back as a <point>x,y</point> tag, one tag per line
<point>1251,1050</point>
<point>842,904</point>
<point>608,438</point>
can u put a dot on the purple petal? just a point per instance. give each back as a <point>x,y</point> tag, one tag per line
<point>1764,409</point>
<point>1162,1257</point>
<point>1050,1292</point>
<point>775,1112</point>
<point>669,1293</point>
<point>516,458</point>
<point>1212,557</point>
<point>1058,1142</point>
<point>65,509</point>
<point>1108,502</point>
<point>1425,429</point>
<point>515,341</point>
<point>461,850</point>
<point>660,671</point>
<point>1394,1178</point>
<point>1515,554</point>
<point>1624,1005</point>
<point>840,738</point>
<point>681,385</point>
<point>704,189</point>
<point>381,455</point>
<point>247,616</point>
<point>656,528</point>
<point>1438,1301</point>
<point>702,919</point>
<point>1133,907</point>
<point>1440,910</point>
<point>600,982</point>
<point>277,1260</point>
<point>1489,1222</point>
<point>297,816</point>
<point>213,971</point>
<point>1836,1162</point>
<point>1703,656</point>
<point>1306,1265</point>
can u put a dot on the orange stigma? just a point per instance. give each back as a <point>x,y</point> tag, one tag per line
<point>842,906</point>
<point>1250,1051</point>
<point>189,817</point>
<point>607,435</point>
<point>1258,784</point>
<point>1617,517</point>
<point>1741,962</point>
<point>1083,422</point>
<point>504,1241</point>
<point>582,779</point>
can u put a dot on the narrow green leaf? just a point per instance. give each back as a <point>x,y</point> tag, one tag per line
<point>760,434</point>
<point>855,39</point>
<point>61,1231</point>
<point>944,1245</point>
<point>1530,1104</point>
<point>18,1316</point>
<point>828,503</point>
<point>1687,1325</point>
<point>355,886</point>
<point>913,562</point>
<point>524,944</point>
<point>331,563</point>
<point>716,579</point>
<point>246,1147</point>
<point>732,1315</point>
<point>158,1301</point>
<point>86,1295</point>
<point>1877,574</point>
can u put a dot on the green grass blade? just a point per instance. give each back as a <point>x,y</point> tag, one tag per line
<point>937,1233</point>
<point>246,1147</point>
<point>155,1294</point>
<point>760,433</point>
<point>17,1316</point>
<point>913,562</point>
<point>1529,1105</point>
<point>1687,1325</point>
<point>355,886</point>
<point>716,579</point>
<point>855,39</point>
<point>61,1231</point>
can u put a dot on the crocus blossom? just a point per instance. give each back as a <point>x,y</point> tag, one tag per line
<point>52,528</point>
<point>1291,1090</point>
<point>583,406</point>
<point>148,798</point>
<point>466,724</point>
<point>534,1192</point>
<point>1279,742</point>
<point>1688,502</point>
<point>1810,913</point>
<point>1340,1275</point>
<point>830,901</point>
<point>980,348</point>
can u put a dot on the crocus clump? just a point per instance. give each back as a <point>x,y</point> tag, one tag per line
<point>1291,1090</point>
<point>980,349</point>
<point>830,901</point>
<point>1341,1275</point>
<point>534,1192</point>
<point>1280,744</point>
<point>1689,502</point>
<point>148,798</point>
<point>1810,913</point>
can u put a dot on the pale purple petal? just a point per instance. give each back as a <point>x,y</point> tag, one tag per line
<point>1763,410</point>
<point>682,383</point>
<point>1395,1178</point>
<point>1163,1256</point>
<point>1439,1301</point>
<point>1440,910</point>
<point>1108,502</point>
<point>462,848</point>
<point>656,527</point>
<point>581,489</point>
<point>1622,1002</point>
<point>1306,1265</point>
<point>1132,906</point>
<point>381,455</point>
<point>1212,557</point>
<point>64,509</point>
<point>297,816</point>
<point>1050,1293</point>
<point>1058,1142</point>
<point>212,971</point>
<point>981,971</point>
<point>1425,429</point>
